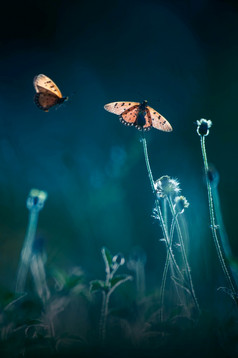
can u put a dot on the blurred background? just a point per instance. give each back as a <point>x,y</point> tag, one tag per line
<point>179,55</point>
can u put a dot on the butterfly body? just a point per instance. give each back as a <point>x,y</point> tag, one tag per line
<point>47,93</point>
<point>139,115</point>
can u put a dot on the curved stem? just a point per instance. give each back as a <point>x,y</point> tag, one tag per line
<point>224,266</point>
<point>187,268</point>
<point>147,162</point>
<point>26,252</point>
<point>165,272</point>
<point>167,241</point>
<point>163,226</point>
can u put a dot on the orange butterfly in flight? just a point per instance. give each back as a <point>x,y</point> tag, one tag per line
<point>47,93</point>
<point>138,115</point>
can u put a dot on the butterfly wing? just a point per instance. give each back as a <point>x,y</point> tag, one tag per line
<point>158,121</point>
<point>134,117</point>
<point>148,120</point>
<point>44,84</point>
<point>119,107</point>
<point>45,101</point>
<point>129,116</point>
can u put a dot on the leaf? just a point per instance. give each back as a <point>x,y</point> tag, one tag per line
<point>118,280</point>
<point>15,302</point>
<point>98,285</point>
<point>107,257</point>
<point>68,280</point>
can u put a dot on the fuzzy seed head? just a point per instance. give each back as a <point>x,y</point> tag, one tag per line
<point>165,186</point>
<point>203,126</point>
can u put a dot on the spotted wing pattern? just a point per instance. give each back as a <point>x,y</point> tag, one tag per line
<point>119,107</point>
<point>45,101</point>
<point>129,116</point>
<point>44,84</point>
<point>158,121</point>
<point>138,115</point>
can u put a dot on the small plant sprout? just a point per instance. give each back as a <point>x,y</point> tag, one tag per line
<point>111,282</point>
<point>35,202</point>
<point>203,127</point>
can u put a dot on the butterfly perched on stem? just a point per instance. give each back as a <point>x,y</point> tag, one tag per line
<point>139,115</point>
<point>47,93</point>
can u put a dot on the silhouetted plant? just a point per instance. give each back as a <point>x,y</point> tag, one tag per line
<point>203,127</point>
<point>108,286</point>
<point>166,188</point>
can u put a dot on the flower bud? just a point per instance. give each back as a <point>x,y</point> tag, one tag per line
<point>180,203</point>
<point>118,260</point>
<point>36,199</point>
<point>203,126</point>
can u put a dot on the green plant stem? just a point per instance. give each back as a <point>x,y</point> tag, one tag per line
<point>187,268</point>
<point>147,162</point>
<point>39,276</point>
<point>224,266</point>
<point>26,252</point>
<point>167,240</point>
<point>163,226</point>
<point>103,318</point>
<point>165,272</point>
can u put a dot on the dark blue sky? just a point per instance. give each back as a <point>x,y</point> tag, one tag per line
<point>179,55</point>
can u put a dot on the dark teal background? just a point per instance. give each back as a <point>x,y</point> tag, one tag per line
<point>179,55</point>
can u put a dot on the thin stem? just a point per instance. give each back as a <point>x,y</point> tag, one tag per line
<point>168,263</point>
<point>39,276</point>
<point>147,162</point>
<point>162,289</point>
<point>187,268</point>
<point>224,266</point>
<point>222,229</point>
<point>26,252</point>
<point>163,226</point>
<point>103,318</point>
<point>167,241</point>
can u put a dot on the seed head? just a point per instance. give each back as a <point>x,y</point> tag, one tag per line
<point>36,199</point>
<point>180,203</point>
<point>203,126</point>
<point>165,186</point>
